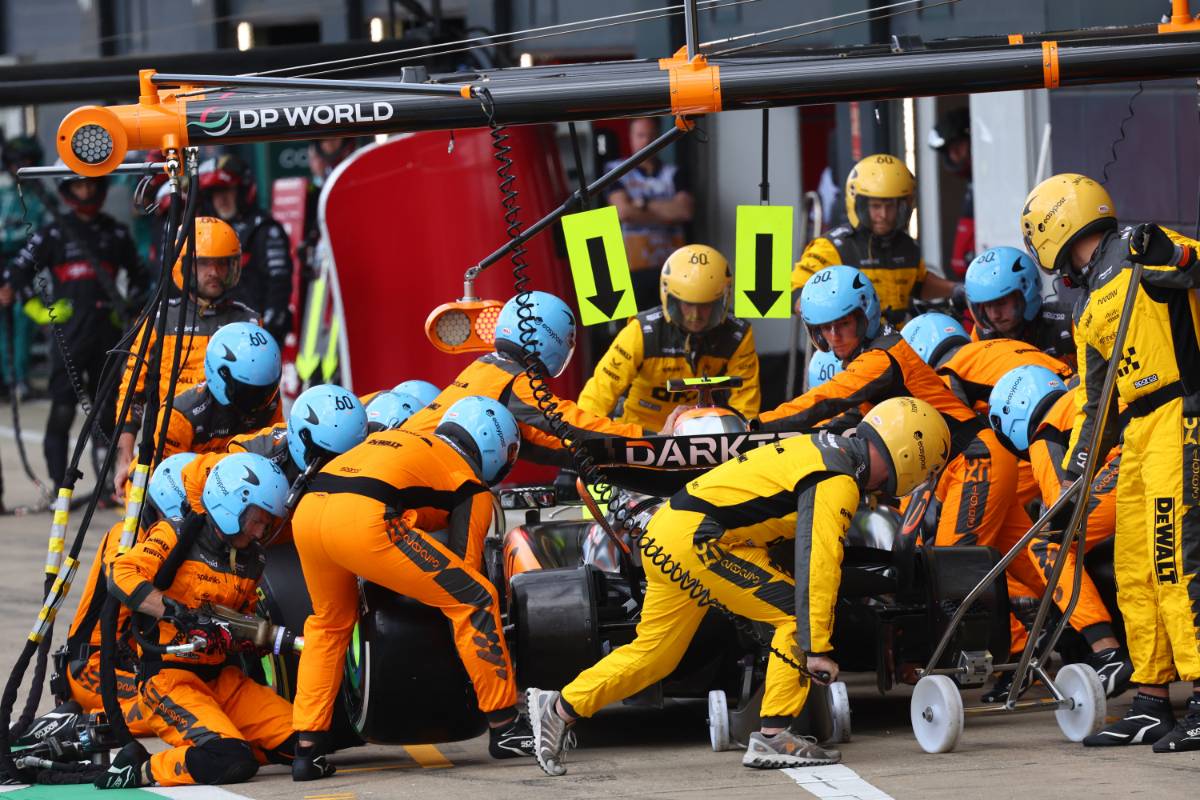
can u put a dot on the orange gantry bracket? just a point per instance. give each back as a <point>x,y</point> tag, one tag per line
<point>92,140</point>
<point>695,84</point>
<point>1182,20</point>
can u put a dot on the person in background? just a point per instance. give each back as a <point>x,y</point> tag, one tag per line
<point>655,205</point>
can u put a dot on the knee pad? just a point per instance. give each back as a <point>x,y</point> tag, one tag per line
<point>221,761</point>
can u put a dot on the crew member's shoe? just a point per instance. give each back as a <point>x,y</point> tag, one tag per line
<point>551,733</point>
<point>1185,736</point>
<point>130,768</point>
<point>513,740</point>
<point>787,749</point>
<point>309,763</point>
<point>999,691</point>
<point>1147,720</point>
<point>1114,668</point>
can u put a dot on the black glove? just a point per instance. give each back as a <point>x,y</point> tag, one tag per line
<point>1149,244</point>
<point>958,299</point>
<point>178,614</point>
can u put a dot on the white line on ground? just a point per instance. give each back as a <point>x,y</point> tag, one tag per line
<point>837,782</point>
<point>26,435</point>
<point>195,793</point>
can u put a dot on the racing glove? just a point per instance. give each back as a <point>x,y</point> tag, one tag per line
<point>192,625</point>
<point>1149,244</point>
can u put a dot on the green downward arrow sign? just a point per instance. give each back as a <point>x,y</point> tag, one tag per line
<point>763,260</point>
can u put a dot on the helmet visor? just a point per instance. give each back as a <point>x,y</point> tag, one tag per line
<point>246,397</point>
<point>883,216</point>
<point>696,317</point>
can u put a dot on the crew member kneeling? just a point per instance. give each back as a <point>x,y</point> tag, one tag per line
<point>219,722</point>
<point>717,530</point>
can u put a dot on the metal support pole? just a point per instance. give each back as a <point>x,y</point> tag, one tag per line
<point>576,154</point>
<point>764,185</point>
<point>691,28</point>
<point>271,82</point>
<point>599,185</point>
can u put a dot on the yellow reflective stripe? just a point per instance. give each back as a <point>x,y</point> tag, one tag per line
<point>58,531</point>
<point>54,600</point>
<point>133,508</point>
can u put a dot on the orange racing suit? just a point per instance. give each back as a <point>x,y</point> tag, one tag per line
<point>220,724</point>
<point>201,323</point>
<point>502,379</point>
<point>83,668</point>
<point>979,483</point>
<point>367,514</point>
<point>199,424</point>
<point>1046,451</point>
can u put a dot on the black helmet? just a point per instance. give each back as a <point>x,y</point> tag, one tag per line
<point>955,124</point>
<point>91,206</point>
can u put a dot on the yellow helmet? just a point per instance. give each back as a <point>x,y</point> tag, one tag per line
<point>881,176</point>
<point>1059,211</point>
<point>698,275</point>
<point>215,238</point>
<point>913,436</point>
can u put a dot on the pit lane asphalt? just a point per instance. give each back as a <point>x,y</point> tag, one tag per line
<point>628,752</point>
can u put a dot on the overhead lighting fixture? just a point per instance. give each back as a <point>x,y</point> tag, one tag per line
<point>376,29</point>
<point>526,59</point>
<point>245,36</point>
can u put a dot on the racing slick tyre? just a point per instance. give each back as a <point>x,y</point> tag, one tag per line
<point>283,599</point>
<point>718,720</point>
<point>936,711</point>
<point>1080,684</point>
<point>555,618</point>
<point>405,681</point>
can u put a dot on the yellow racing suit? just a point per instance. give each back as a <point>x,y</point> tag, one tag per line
<point>893,263</point>
<point>717,530</point>
<point>650,351</point>
<point>1157,548</point>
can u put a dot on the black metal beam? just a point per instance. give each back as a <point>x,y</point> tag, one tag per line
<point>600,91</point>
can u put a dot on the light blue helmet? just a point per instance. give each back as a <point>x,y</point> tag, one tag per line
<point>999,272</point>
<point>1019,401</point>
<point>325,421</point>
<point>821,367</point>
<point>424,391</point>
<point>236,483</point>
<point>165,490</point>
<point>933,335</point>
<point>485,432</point>
<point>834,292</point>
<point>388,410</point>
<point>553,335</point>
<point>242,366</point>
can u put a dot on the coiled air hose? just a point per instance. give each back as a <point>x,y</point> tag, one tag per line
<point>584,464</point>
